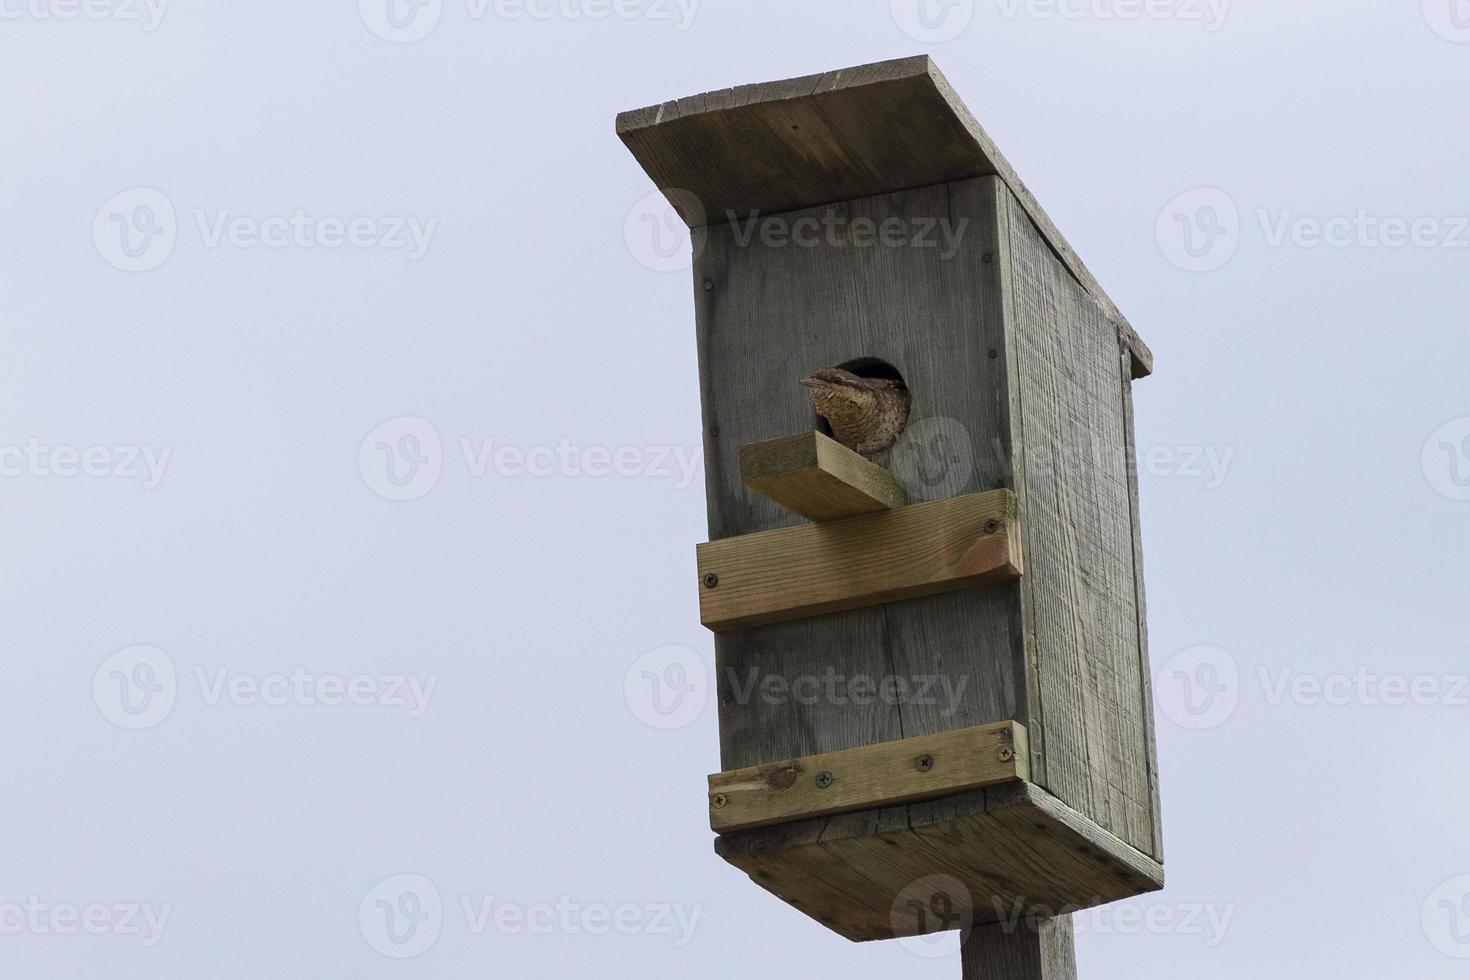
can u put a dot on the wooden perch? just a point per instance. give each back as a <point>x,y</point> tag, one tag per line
<point>819,478</point>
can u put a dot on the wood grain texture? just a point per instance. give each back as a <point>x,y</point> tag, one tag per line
<point>988,364</point>
<point>769,311</point>
<point>808,570</point>
<point>817,477</point>
<point>1039,950</point>
<point>1145,672</point>
<point>854,133</point>
<point>936,321</point>
<point>887,774</point>
<point>1077,506</point>
<point>1000,854</point>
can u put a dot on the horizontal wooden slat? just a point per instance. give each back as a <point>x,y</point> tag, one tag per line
<point>819,478</point>
<point>887,774</point>
<point>918,550</point>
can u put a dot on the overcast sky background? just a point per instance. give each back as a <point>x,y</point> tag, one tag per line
<point>1306,485</point>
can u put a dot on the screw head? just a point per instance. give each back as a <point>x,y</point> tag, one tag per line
<point>719,800</point>
<point>992,526</point>
<point>924,762</point>
<point>1007,753</point>
<point>825,779</point>
<point>987,258</point>
<point>711,580</point>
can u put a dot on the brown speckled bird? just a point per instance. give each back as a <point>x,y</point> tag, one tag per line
<point>867,414</point>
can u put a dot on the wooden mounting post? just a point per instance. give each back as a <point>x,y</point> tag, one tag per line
<point>1029,951</point>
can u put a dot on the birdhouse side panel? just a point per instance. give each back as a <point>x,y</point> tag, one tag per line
<point>1083,590</point>
<point>927,302</point>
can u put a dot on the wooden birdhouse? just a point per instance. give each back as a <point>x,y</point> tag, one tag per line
<point>931,660</point>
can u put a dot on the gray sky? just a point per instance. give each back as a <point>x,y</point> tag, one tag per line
<point>253,253</point>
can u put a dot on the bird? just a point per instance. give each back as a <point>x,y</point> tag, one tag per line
<point>867,415</point>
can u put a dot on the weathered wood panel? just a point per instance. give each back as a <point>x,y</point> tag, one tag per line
<point>770,315</point>
<point>1077,506</point>
<point>766,317</point>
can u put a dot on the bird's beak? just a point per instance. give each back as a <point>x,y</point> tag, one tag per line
<point>812,383</point>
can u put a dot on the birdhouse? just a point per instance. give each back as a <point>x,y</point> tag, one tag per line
<point>931,651</point>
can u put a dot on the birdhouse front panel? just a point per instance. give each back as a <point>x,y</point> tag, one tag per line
<point>923,570</point>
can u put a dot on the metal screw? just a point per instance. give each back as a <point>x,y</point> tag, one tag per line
<point>924,763</point>
<point>992,526</point>
<point>994,353</point>
<point>719,800</point>
<point>1007,753</point>
<point>824,779</point>
<point>711,580</point>
<point>987,258</point>
<point>709,284</point>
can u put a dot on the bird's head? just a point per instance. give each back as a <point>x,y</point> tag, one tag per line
<point>835,390</point>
